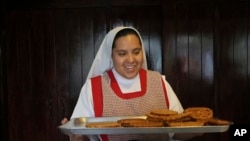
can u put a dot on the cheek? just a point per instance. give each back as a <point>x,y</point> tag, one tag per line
<point>140,59</point>
<point>117,60</point>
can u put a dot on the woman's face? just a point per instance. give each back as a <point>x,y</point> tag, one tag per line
<point>127,56</point>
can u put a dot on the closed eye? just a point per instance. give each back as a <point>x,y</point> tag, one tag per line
<point>122,53</point>
<point>137,51</point>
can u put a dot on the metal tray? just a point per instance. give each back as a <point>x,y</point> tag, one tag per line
<point>77,126</point>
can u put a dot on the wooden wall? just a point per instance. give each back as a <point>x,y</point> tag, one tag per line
<point>48,47</point>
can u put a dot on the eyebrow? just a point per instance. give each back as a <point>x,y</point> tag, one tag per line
<point>137,48</point>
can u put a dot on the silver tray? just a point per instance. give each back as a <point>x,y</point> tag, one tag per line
<point>77,126</point>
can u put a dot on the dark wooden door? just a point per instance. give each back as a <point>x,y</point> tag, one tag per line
<point>206,57</point>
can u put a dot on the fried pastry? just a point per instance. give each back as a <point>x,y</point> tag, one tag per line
<point>187,123</point>
<point>177,117</point>
<point>144,124</point>
<point>215,121</point>
<point>102,124</point>
<point>127,122</point>
<point>163,112</point>
<point>131,120</point>
<point>199,113</point>
<point>154,118</point>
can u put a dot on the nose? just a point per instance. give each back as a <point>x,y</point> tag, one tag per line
<point>131,58</point>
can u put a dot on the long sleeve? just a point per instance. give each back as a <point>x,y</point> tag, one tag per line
<point>174,103</point>
<point>84,105</point>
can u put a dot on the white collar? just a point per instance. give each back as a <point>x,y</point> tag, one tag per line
<point>127,85</point>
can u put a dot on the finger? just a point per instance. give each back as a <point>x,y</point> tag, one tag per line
<point>64,120</point>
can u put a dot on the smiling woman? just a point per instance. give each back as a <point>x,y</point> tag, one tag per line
<point>119,83</point>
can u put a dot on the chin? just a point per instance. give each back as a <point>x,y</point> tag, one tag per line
<point>130,76</point>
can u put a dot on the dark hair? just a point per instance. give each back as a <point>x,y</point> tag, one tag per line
<point>125,32</point>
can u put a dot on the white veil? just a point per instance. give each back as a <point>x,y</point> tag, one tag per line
<point>103,60</point>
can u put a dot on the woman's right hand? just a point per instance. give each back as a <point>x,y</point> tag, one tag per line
<point>64,121</point>
<point>74,137</point>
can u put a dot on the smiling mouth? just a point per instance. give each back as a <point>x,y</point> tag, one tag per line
<point>130,68</point>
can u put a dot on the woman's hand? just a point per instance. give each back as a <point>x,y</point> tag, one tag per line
<point>64,121</point>
<point>75,137</point>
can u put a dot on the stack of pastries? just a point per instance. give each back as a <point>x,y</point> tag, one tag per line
<point>192,116</point>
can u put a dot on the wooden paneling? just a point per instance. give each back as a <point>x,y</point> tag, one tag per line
<point>189,53</point>
<point>31,85</point>
<point>3,97</point>
<point>206,57</point>
<point>201,47</point>
<point>234,62</point>
<point>34,4</point>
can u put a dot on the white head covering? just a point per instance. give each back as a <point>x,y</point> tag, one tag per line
<point>103,60</point>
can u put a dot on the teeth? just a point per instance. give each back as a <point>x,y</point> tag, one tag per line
<point>129,67</point>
